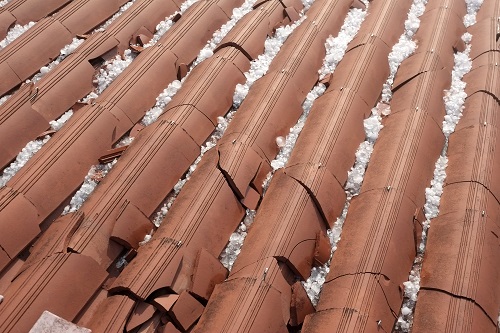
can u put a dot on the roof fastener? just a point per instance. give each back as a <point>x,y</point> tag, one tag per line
<point>483,213</point>
<point>282,71</point>
<point>484,123</point>
<point>379,322</point>
<point>1,299</point>
<point>388,188</point>
<point>179,243</point>
<point>265,273</point>
<point>416,109</point>
<point>233,142</point>
<point>372,35</point>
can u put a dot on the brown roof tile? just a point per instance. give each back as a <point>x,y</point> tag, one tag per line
<point>23,306</point>
<point>455,314</point>
<point>111,315</point>
<point>24,11</point>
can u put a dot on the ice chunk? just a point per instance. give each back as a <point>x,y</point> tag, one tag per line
<point>14,33</point>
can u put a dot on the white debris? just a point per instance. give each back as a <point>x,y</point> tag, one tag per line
<point>352,188</point>
<point>14,33</point>
<point>31,149</point>
<point>92,179</point>
<point>147,238</point>
<point>233,248</point>
<point>49,322</point>
<point>122,9</point>
<point>262,62</point>
<point>291,138</point>
<point>22,158</point>
<point>280,141</point>
<point>404,47</point>
<point>472,9</point>
<point>75,43</point>
<point>161,102</point>
<point>111,69</point>
<point>4,99</point>
<point>454,103</point>
<point>125,141</point>
<point>4,2</point>
<point>57,124</point>
<point>121,263</point>
<point>336,47</point>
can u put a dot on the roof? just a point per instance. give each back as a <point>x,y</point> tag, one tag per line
<point>249,166</point>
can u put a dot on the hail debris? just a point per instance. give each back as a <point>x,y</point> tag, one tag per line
<point>404,47</point>
<point>161,102</point>
<point>92,179</point>
<point>125,141</point>
<point>233,248</point>
<point>454,100</point>
<point>31,149</point>
<point>14,33</point>
<point>4,99</point>
<point>271,48</point>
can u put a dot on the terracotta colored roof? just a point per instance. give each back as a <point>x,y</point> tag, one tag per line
<point>142,255</point>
